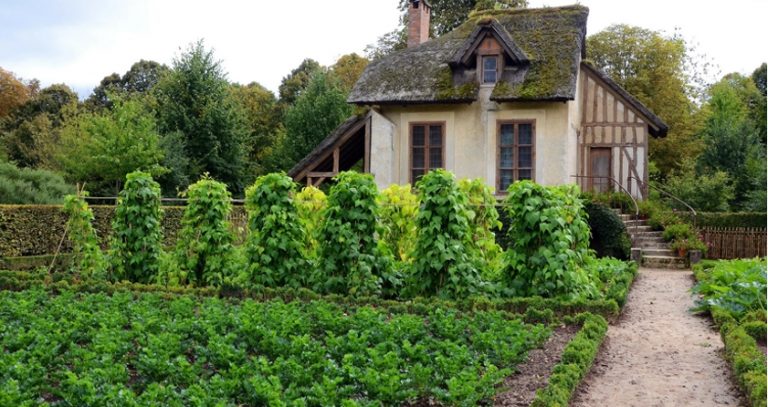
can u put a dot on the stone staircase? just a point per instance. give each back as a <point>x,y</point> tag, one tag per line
<point>655,251</point>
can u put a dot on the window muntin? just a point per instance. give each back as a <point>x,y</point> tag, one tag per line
<point>427,148</point>
<point>516,153</point>
<point>490,68</point>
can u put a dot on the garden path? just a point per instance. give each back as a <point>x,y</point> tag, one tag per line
<point>658,353</point>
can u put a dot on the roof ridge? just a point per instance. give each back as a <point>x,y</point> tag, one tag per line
<point>478,14</point>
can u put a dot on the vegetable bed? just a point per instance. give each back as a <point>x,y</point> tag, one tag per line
<point>148,348</point>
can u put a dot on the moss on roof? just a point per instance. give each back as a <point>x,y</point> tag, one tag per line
<point>552,39</point>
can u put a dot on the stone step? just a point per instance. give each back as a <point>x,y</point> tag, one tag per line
<point>644,244</point>
<point>638,228</point>
<point>665,262</point>
<point>640,222</point>
<point>653,251</point>
<point>650,239</point>
<point>645,234</point>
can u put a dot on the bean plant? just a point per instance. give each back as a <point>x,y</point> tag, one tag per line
<point>137,234</point>
<point>549,242</point>
<point>483,220</point>
<point>350,260</point>
<point>446,262</point>
<point>398,209</point>
<point>204,249</point>
<point>310,204</point>
<point>87,258</point>
<point>276,240</point>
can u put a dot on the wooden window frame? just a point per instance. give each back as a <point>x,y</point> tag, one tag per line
<point>427,164</point>
<point>516,146</point>
<point>482,69</point>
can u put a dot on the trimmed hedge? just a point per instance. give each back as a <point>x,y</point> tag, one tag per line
<point>34,230</point>
<point>729,219</point>
<point>609,235</point>
<point>576,361</point>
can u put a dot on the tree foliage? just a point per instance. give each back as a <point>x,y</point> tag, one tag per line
<point>275,246</point>
<point>294,84</point>
<point>204,251</point>
<point>194,101</point>
<point>658,70</point>
<point>263,117</point>
<point>347,70</point>
<point>140,78</point>
<point>101,148</point>
<point>137,235</point>
<point>13,93</point>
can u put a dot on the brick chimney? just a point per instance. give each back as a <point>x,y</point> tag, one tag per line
<point>418,22</point>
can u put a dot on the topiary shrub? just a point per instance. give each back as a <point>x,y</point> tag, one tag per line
<point>609,235</point>
<point>204,250</point>
<point>87,257</point>
<point>549,242</point>
<point>137,234</point>
<point>446,261</point>
<point>350,260</point>
<point>274,248</point>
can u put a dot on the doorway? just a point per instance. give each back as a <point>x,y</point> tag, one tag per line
<point>600,169</point>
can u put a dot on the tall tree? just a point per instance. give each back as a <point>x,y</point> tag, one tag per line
<point>759,108</point>
<point>446,15</point>
<point>13,92</point>
<point>293,84</point>
<point>348,69</point>
<point>140,78</point>
<point>317,112</point>
<point>264,122</point>
<point>657,70</point>
<point>101,148</point>
<point>195,101</point>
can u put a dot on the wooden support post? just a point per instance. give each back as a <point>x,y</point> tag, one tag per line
<point>336,152</point>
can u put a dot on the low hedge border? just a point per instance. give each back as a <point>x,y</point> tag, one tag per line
<point>62,262</point>
<point>578,357</point>
<point>728,219</point>
<point>533,309</point>
<point>747,361</point>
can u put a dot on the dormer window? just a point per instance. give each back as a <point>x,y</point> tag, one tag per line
<point>490,68</point>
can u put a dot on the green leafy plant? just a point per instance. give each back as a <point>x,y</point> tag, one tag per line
<point>446,260</point>
<point>678,232</point>
<point>30,186</point>
<point>609,235</point>
<point>137,234</point>
<point>276,240</point>
<point>87,257</point>
<point>484,219</point>
<point>350,260</point>
<point>737,286</point>
<point>310,204</point>
<point>398,208</point>
<point>549,242</point>
<point>204,249</point>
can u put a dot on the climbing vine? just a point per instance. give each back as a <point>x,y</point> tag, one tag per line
<point>398,209</point>
<point>483,220</point>
<point>275,243</point>
<point>310,205</point>
<point>87,258</point>
<point>137,234</point>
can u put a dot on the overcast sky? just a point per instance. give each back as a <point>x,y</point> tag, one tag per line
<point>78,42</point>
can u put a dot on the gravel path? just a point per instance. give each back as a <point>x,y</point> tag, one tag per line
<point>658,353</point>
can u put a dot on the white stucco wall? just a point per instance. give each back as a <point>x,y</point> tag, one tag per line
<point>471,139</point>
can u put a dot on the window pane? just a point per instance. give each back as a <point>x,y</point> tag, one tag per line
<point>489,63</point>
<point>435,158</point>
<point>525,157</point>
<point>505,179</point>
<point>524,133</point>
<point>506,157</point>
<point>523,174</point>
<point>507,134</point>
<point>489,69</point>
<point>418,135</point>
<point>435,136</point>
<point>418,157</point>
<point>416,175</point>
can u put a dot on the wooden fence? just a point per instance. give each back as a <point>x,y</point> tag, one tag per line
<point>734,243</point>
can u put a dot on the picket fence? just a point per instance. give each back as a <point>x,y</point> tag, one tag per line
<point>734,243</point>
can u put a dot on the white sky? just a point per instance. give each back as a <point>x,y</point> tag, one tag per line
<point>78,42</point>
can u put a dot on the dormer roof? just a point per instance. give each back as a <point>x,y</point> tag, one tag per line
<point>485,28</point>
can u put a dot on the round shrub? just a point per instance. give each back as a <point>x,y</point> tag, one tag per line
<point>276,240</point>
<point>609,235</point>
<point>446,262</point>
<point>549,242</point>
<point>137,233</point>
<point>204,249</point>
<point>350,261</point>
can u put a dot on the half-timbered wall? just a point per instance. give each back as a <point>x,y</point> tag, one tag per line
<point>609,122</point>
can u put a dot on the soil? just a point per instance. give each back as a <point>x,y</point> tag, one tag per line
<point>658,353</point>
<point>520,388</point>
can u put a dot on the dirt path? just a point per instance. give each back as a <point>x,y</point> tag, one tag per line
<point>658,354</point>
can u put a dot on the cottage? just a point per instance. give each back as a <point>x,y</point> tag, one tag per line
<point>506,96</point>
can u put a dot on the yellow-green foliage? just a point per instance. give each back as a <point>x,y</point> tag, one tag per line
<point>398,208</point>
<point>310,204</point>
<point>484,219</point>
<point>88,259</point>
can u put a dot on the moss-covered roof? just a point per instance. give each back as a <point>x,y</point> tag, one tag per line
<point>551,38</point>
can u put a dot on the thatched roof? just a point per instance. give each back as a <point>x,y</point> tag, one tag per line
<point>328,143</point>
<point>552,39</point>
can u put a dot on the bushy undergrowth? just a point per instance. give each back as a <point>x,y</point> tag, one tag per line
<point>142,349</point>
<point>609,235</point>
<point>137,234</point>
<point>30,186</point>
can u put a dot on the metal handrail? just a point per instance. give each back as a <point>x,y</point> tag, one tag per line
<point>634,201</point>
<point>643,184</point>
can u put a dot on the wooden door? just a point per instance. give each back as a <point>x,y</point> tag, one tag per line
<point>600,166</point>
